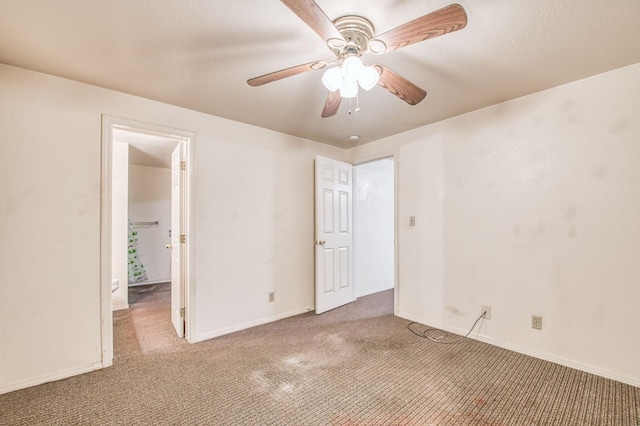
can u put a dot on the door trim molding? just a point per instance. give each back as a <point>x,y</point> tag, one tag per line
<point>109,123</point>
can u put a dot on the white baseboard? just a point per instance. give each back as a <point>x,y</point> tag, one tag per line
<point>118,304</point>
<point>244,326</point>
<point>633,381</point>
<point>34,381</point>
<point>369,291</point>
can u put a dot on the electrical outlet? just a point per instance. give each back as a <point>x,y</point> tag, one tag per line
<point>536,322</point>
<point>486,310</point>
<point>272,296</point>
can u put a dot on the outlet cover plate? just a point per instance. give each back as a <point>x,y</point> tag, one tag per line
<point>487,309</point>
<point>536,322</point>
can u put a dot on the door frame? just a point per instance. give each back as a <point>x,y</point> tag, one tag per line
<point>396,272</point>
<point>109,123</point>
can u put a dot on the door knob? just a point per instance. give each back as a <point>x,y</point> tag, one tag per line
<point>169,246</point>
<point>321,242</point>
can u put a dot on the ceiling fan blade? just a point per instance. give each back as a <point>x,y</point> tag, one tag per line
<point>288,72</point>
<point>399,86</point>
<point>442,21</point>
<point>314,17</point>
<point>332,104</point>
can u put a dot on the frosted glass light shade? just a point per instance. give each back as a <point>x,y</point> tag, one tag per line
<point>351,75</point>
<point>368,78</point>
<point>332,79</point>
<point>349,89</point>
<point>351,68</point>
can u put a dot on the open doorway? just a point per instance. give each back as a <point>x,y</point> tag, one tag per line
<point>141,214</point>
<point>354,232</point>
<point>374,226</point>
<point>145,226</point>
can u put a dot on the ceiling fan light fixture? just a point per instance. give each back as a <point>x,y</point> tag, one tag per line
<point>368,78</point>
<point>349,89</point>
<point>351,68</point>
<point>350,37</point>
<point>333,79</point>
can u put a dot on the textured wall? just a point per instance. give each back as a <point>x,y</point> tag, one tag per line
<point>253,221</point>
<point>530,206</point>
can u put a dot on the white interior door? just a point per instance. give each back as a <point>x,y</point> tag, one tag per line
<point>177,239</point>
<point>334,234</point>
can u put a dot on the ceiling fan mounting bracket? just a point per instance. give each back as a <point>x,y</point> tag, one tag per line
<point>356,30</point>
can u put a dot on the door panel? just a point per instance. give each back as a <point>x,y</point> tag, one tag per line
<point>327,257</point>
<point>328,211</point>
<point>334,234</point>
<point>177,244</point>
<point>344,205</point>
<point>344,267</point>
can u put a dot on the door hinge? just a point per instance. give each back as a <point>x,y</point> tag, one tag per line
<point>181,312</point>
<point>183,165</point>
<point>183,239</point>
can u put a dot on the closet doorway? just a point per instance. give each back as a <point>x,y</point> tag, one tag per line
<point>145,219</point>
<point>374,226</point>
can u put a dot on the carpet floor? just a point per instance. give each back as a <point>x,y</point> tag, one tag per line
<point>355,365</point>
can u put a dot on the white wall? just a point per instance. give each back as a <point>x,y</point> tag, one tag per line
<point>150,201</point>
<point>531,207</point>
<point>374,226</point>
<point>255,228</point>
<point>253,219</point>
<point>119,224</point>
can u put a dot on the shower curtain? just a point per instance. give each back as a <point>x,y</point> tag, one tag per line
<point>136,268</point>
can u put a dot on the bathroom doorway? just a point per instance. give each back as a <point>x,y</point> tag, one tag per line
<point>145,211</point>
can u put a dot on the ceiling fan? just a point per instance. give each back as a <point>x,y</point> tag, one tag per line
<point>350,37</point>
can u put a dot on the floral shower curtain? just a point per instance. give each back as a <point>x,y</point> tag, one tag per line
<point>136,268</point>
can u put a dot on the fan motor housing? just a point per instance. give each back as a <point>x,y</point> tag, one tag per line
<point>356,30</point>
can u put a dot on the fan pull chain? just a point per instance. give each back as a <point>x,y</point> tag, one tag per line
<point>357,104</point>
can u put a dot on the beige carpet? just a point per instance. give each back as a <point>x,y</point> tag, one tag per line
<point>356,365</point>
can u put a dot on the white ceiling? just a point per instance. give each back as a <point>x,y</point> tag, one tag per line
<point>198,54</point>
